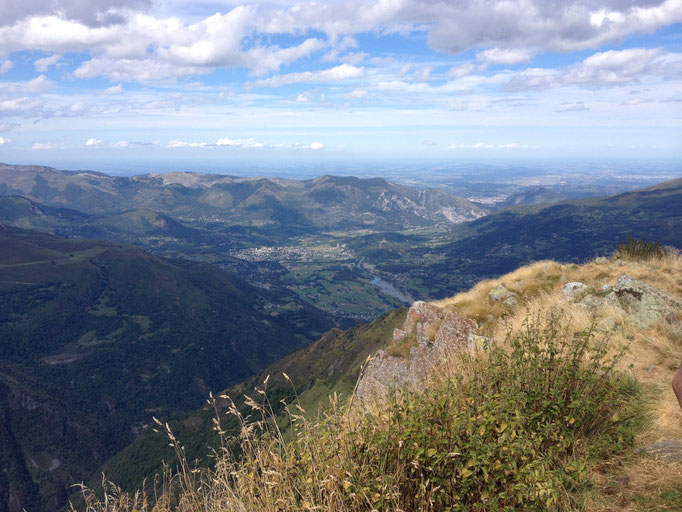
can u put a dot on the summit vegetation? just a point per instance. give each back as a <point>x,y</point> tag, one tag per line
<point>554,406</point>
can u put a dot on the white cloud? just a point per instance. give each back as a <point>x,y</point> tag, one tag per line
<point>6,66</point>
<point>91,12</point>
<point>42,65</point>
<point>128,42</point>
<point>335,74</point>
<point>16,105</point>
<point>604,69</point>
<point>266,60</point>
<point>358,94</point>
<point>315,146</point>
<point>506,57</point>
<point>43,145</point>
<point>183,144</point>
<point>93,142</point>
<point>4,140</point>
<point>114,89</point>
<point>120,144</point>
<point>461,70</point>
<point>239,143</point>
<point>222,142</point>
<point>37,85</point>
<point>423,75</point>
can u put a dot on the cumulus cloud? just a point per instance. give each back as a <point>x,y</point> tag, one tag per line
<point>315,146</point>
<point>127,42</point>
<point>16,105</point>
<point>604,69</point>
<point>6,66</point>
<point>93,142</point>
<point>239,143</point>
<point>89,12</point>
<point>264,60</point>
<point>44,64</point>
<point>506,57</point>
<point>461,70</point>
<point>358,94</point>
<point>222,142</point>
<point>4,140</point>
<point>114,89</point>
<point>43,145</point>
<point>335,74</point>
<point>37,85</point>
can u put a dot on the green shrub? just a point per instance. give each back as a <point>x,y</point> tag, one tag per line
<point>515,432</point>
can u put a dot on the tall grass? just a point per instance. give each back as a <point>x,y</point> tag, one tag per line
<point>509,426</point>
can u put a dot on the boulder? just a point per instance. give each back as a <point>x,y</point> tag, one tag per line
<point>501,294</point>
<point>644,305</point>
<point>572,289</point>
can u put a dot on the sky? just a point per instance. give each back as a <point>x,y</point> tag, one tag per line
<point>103,84</point>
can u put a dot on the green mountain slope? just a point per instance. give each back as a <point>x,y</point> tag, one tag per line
<point>330,365</point>
<point>96,337</point>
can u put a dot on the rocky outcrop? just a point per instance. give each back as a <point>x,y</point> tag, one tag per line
<point>643,304</point>
<point>434,333</point>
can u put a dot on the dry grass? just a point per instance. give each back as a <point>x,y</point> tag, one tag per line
<point>270,477</point>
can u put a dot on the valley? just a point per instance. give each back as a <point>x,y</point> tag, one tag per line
<point>127,298</point>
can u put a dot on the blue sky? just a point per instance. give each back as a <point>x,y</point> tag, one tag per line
<point>101,83</point>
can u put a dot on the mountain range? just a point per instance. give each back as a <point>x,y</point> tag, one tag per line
<point>328,202</point>
<point>102,330</point>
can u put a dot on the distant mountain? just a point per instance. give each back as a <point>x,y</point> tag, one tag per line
<point>325,202</point>
<point>567,231</point>
<point>96,337</point>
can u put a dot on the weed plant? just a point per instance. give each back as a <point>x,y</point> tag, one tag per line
<point>639,250</point>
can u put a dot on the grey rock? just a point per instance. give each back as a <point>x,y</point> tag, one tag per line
<point>500,294</point>
<point>645,304</point>
<point>572,289</point>
<point>617,263</point>
<point>601,260</point>
<point>669,450</point>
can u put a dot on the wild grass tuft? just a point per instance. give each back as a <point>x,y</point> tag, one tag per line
<point>634,249</point>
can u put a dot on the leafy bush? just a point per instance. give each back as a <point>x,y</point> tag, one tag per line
<point>515,429</point>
